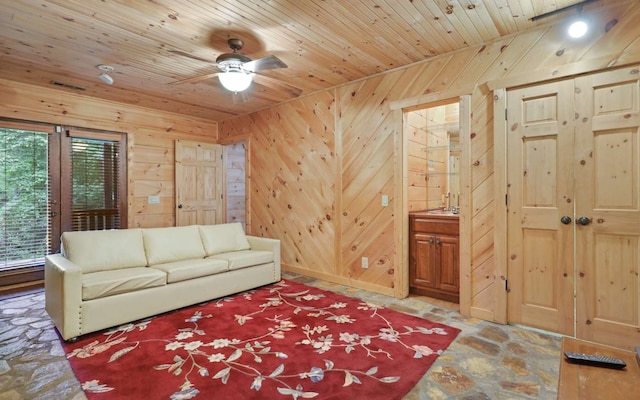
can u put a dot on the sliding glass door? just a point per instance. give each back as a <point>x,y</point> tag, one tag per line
<point>54,180</point>
<point>24,193</point>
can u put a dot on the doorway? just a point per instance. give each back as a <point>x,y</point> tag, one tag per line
<point>433,152</point>
<point>573,214</point>
<point>434,149</point>
<point>235,167</point>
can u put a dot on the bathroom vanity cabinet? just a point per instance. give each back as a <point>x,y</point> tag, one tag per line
<point>434,261</point>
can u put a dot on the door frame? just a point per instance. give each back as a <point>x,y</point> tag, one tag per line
<point>246,139</point>
<point>401,280</point>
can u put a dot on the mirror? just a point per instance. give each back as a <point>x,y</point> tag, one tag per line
<point>434,157</point>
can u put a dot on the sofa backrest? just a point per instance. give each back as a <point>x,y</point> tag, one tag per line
<point>164,245</point>
<point>97,251</point>
<point>222,238</point>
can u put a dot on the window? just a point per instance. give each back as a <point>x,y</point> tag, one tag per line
<point>24,222</point>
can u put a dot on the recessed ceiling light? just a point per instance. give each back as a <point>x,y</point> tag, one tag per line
<point>578,28</point>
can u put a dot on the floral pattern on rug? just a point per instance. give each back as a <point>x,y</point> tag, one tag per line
<point>287,339</point>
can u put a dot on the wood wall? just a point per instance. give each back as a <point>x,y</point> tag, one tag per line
<point>151,138</point>
<point>321,163</point>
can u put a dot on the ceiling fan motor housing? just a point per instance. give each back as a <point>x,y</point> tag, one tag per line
<point>231,61</point>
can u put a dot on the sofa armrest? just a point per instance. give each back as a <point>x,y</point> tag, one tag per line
<point>267,244</point>
<point>63,294</point>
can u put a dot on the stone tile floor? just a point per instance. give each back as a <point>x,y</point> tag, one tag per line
<point>486,361</point>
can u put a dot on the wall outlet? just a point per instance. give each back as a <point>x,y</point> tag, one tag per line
<point>385,200</point>
<point>365,262</point>
<point>154,199</point>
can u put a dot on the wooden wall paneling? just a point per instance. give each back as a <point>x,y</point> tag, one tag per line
<point>481,192</point>
<point>363,120</point>
<point>621,36</point>
<point>154,171</point>
<point>544,50</point>
<point>368,167</point>
<point>481,65</point>
<point>510,53</point>
<point>150,140</point>
<point>292,173</point>
<point>456,64</point>
<point>482,249</point>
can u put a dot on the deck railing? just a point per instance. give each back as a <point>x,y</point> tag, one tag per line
<point>91,220</point>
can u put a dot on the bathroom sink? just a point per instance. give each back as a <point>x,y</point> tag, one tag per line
<point>442,212</point>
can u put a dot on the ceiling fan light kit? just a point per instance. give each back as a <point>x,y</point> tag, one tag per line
<point>236,71</point>
<point>235,80</point>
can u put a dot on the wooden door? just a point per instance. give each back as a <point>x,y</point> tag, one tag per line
<point>540,270</point>
<point>607,176</point>
<point>198,183</point>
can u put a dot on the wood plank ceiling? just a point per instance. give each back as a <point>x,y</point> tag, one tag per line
<point>153,44</point>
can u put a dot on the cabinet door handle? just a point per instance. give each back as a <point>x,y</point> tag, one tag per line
<point>437,241</point>
<point>430,240</point>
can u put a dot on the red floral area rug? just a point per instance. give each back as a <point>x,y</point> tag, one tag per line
<point>286,340</point>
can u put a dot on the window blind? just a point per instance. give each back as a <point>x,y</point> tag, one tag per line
<point>95,188</point>
<point>24,184</point>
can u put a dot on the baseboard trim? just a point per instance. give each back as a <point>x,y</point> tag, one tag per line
<point>21,289</point>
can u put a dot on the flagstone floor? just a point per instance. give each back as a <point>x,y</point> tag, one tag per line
<point>486,361</point>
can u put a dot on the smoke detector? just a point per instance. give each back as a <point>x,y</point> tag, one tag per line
<point>104,76</point>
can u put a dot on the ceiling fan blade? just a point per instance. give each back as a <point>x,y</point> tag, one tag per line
<point>189,55</point>
<point>273,83</point>
<point>261,64</point>
<point>195,79</point>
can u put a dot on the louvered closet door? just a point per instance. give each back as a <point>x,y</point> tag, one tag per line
<point>607,187</point>
<point>540,187</point>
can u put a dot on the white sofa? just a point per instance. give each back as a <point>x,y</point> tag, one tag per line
<point>106,278</point>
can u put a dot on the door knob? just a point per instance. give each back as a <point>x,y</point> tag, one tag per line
<point>565,220</point>
<point>179,205</point>
<point>583,221</point>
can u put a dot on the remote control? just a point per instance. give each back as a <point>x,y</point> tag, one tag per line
<point>594,360</point>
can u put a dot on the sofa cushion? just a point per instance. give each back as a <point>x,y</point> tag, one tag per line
<point>190,269</point>
<point>95,251</point>
<point>165,245</point>
<point>223,238</point>
<point>245,258</point>
<point>108,283</point>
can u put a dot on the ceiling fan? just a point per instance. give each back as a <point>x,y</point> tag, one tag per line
<point>236,71</point>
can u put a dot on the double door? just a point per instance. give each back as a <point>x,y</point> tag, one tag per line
<point>574,207</point>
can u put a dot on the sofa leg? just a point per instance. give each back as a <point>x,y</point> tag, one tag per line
<point>72,340</point>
